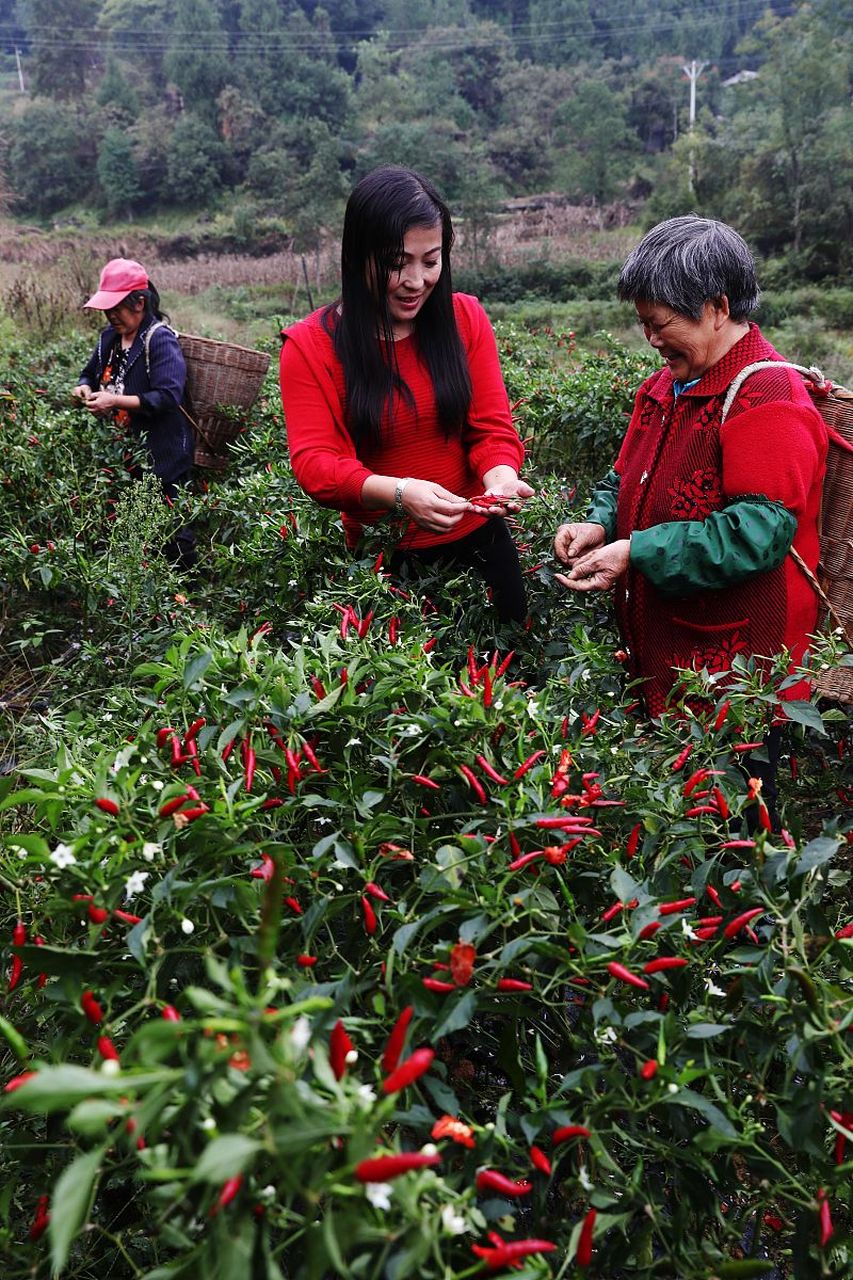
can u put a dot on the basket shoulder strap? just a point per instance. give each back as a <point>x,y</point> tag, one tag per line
<point>146,340</point>
<point>813,374</point>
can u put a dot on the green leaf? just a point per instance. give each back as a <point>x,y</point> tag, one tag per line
<point>696,1102</point>
<point>804,713</point>
<point>69,1204</point>
<point>57,1088</point>
<point>705,1030</point>
<point>816,853</point>
<point>196,668</point>
<point>92,1116</point>
<point>225,1158</point>
<point>458,1013</point>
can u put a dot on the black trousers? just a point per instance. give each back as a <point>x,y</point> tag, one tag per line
<point>490,551</point>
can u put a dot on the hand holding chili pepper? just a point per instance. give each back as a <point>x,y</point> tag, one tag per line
<point>571,541</point>
<point>597,570</point>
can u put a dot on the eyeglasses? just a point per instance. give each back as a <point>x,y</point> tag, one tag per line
<point>649,328</point>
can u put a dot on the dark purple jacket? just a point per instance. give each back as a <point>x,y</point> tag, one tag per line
<point>159,380</point>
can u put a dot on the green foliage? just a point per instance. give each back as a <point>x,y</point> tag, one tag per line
<point>117,173</point>
<point>195,840</point>
<point>48,164</point>
<point>194,163</point>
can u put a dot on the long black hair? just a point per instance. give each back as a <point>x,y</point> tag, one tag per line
<point>382,208</point>
<point>151,298</point>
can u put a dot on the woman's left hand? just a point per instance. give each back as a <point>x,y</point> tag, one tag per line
<point>101,402</point>
<point>502,483</point>
<point>598,570</point>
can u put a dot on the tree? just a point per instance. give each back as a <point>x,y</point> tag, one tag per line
<point>599,140</point>
<point>197,60</point>
<point>62,40</point>
<point>117,173</point>
<point>195,162</point>
<point>50,163</point>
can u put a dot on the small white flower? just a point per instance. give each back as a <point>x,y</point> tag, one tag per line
<point>533,708</point>
<point>583,1178</point>
<point>366,1094</point>
<point>135,883</point>
<point>672,1087</point>
<point>300,1035</point>
<point>379,1194</point>
<point>354,742</point>
<point>351,1057</point>
<point>150,850</point>
<point>686,929</point>
<point>429,1149</point>
<point>62,857</point>
<point>187,926</point>
<point>208,1124</point>
<point>605,1035</point>
<point>713,990</point>
<point>452,1222</point>
<point>158,784</point>
<point>267,1194</point>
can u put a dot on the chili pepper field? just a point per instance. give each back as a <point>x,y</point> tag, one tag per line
<point>344,934</point>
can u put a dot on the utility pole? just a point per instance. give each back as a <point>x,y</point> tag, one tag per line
<point>20,69</point>
<point>693,71</point>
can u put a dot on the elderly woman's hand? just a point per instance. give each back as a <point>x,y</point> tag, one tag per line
<point>574,540</point>
<point>599,569</point>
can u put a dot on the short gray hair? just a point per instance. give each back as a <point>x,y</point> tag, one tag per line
<point>686,262</point>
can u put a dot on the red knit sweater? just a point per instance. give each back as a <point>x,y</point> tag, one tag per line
<point>324,457</point>
<point>678,463</point>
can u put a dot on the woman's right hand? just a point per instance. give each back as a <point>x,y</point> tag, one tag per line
<point>574,540</point>
<point>432,507</point>
<point>82,392</point>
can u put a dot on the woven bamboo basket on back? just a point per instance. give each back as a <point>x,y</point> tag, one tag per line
<point>221,376</point>
<point>836,535</point>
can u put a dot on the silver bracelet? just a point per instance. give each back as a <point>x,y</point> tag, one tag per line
<point>398,494</point>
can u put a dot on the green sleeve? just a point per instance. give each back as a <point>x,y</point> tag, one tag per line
<point>602,506</point>
<point>683,557</point>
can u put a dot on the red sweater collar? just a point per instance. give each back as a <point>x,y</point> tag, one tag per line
<point>751,347</point>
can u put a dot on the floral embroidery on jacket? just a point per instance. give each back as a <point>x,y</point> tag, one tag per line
<point>696,497</point>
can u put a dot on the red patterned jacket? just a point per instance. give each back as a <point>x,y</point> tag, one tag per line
<point>678,463</point>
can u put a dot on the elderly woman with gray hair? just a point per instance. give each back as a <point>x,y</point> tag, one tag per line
<point>693,524</point>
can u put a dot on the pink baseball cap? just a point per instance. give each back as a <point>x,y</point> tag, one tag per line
<point>119,278</point>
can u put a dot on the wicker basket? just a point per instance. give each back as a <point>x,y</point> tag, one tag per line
<point>836,534</point>
<point>220,376</point>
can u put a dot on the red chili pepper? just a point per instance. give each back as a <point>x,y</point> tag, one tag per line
<point>462,958</point>
<point>19,938</point>
<point>539,1160</point>
<point>108,806</point>
<point>693,781</point>
<point>671,908</point>
<point>396,1040</point>
<point>487,688</point>
<point>663,963</point>
<point>192,756</point>
<point>318,686</point>
<point>491,772</point>
<point>583,1256</point>
<point>169,1013</point>
<point>734,926</point>
<point>227,749</point>
<point>649,1069</point>
<point>619,972</point>
<point>177,753</point>
<point>408,1071</point>
<point>649,930</point>
<point>230,1188</point>
<point>340,1046</point>
<point>722,804</point>
<point>700,810</point>
<point>713,895</point>
<point>742,747</point>
<point>190,815</point>
<point>91,1008</point>
<point>528,764</point>
<point>492,1180</point>
<point>192,732</point>
<point>293,903</point>
<point>41,1219</point>
<point>430,644</point>
<point>846,931</point>
<point>720,718</point>
<point>439,987</point>
<point>513,984</point>
<point>423,781</point>
<point>472,665</point>
<point>474,783</point>
<point>633,839</point>
<point>825,1216</point>
<point>311,757</point>
<point>107,1049</point>
<point>97,915</point>
<point>163,736</point>
<point>171,806</point>
<point>590,723</point>
<point>384,1168</point>
<point>368,916</point>
<point>609,914</point>
<point>344,680</point>
<point>568,1131</point>
<point>15,1083</point>
<point>248,762</point>
<point>679,762</point>
<point>509,1253</point>
<point>738,844</point>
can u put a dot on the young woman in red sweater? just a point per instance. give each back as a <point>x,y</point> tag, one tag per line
<point>393,396</point>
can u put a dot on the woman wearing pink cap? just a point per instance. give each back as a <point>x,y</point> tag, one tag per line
<point>136,376</point>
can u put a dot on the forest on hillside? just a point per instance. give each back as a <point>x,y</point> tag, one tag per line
<point>131,108</point>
